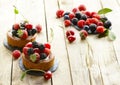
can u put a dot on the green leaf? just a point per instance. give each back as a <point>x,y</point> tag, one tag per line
<point>104,11</point>
<point>104,34</point>
<point>33,57</point>
<point>23,75</point>
<point>19,32</point>
<point>111,36</point>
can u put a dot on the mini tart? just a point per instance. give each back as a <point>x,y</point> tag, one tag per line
<point>42,64</point>
<point>17,42</point>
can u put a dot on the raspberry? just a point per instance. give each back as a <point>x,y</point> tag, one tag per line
<point>100,23</point>
<point>25,50</point>
<point>81,23</point>
<point>16,26</point>
<point>47,45</point>
<point>88,13</point>
<point>36,50</point>
<point>59,13</point>
<point>74,10</point>
<point>69,32</point>
<point>71,38</point>
<point>94,20</point>
<point>83,34</point>
<point>82,7</point>
<point>38,28</point>
<point>92,13</point>
<point>29,44</point>
<point>96,16</point>
<point>48,75</point>
<point>100,29</point>
<point>71,16</point>
<point>28,26</point>
<point>67,23</point>
<point>16,54</point>
<point>47,51</point>
<point>24,35</point>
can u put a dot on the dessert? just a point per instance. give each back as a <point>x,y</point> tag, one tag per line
<point>20,34</point>
<point>37,56</point>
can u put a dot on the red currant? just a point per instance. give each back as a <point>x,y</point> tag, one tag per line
<point>48,75</point>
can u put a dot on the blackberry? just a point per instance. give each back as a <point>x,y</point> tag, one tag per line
<point>92,27</point>
<point>30,51</point>
<point>66,13</point>
<point>66,17</point>
<point>78,15</point>
<point>84,17</point>
<point>41,47</point>
<point>86,27</point>
<point>42,56</point>
<point>107,24</point>
<point>74,21</point>
<point>14,33</point>
<point>33,31</point>
<point>29,32</point>
<point>35,44</point>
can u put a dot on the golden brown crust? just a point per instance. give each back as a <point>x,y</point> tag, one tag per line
<point>42,65</point>
<point>17,42</point>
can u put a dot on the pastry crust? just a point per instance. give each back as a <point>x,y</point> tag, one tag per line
<point>17,42</point>
<point>42,64</point>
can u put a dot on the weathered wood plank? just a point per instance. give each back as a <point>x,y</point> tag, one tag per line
<point>62,75</point>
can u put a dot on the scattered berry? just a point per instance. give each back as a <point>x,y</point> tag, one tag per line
<point>59,13</point>
<point>81,23</point>
<point>71,16</point>
<point>78,15</point>
<point>74,10</point>
<point>69,32</point>
<point>107,24</point>
<point>16,54</point>
<point>100,29</point>
<point>74,21</point>
<point>82,7</point>
<point>48,75</point>
<point>71,38</point>
<point>67,23</point>
<point>66,17</point>
<point>83,34</point>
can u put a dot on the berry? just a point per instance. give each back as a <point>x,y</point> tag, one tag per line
<point>92,27</point>
<point>66,17</point>
<point>47,51</point>
<point>47,45</point>
<point>16,26</point>
<point>88,14</point>
<point>66,13</point>
<point>35,44</point>
<point>67,23</point>
<point>94,20</point>
<point>69,32</point>
<point>71,16</point>
<point>24,35</point>
<point>30,51</point>
<point>74,21</point>
<point>74,10</point>
<point>38,28</point>
<point>82,7</point>
<point>25,50</point>
<point>83,34</point>
<point>107,24</point>
<point>92,13</point>
<point>14,33</point>
<point>37,57</point>
<point>28,26</point>
<point>100,23</point>
<point>36,50</point>
<point>41,47</point>
<point>48,75</point>
<point>100,29</point>
<point>29,44</point>
<point>86,27</point>
<point>84,17</point>
<point>59,13</point>
<point>16,54</point>
<point>103,19</point>
<point>96,16</point>
<point>71,38</point>
<point>81,23</point>
<point>33,31</point>
<point>43,56</point>
<point>78,15</point>
<point>29,32</point>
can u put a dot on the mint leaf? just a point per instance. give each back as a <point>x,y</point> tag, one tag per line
<point>111,36</point>
<point>104,11</point>
<point>104,34</point>
<point>33,57</point>
<point>23,75</point>
<point>19,32</point>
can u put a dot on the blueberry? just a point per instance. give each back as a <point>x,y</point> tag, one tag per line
<point>66,13</point>
<point>74,21</point>
<point>42,56</point>
<point>30,51</point>
<point>41,47</point>
<point>78,15</point>
<point>33,31</point>
<point>35,44</point>
<point>86,27</point>
<point>66,17</point>
<point>84,17</point>
<point>107,24</point>
<point>103,19</point>
<point>92,27</point>
<point>29,32</point>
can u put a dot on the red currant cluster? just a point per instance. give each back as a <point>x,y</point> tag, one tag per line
<point>85,21</point>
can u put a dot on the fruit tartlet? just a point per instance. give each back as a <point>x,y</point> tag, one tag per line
<point>37,56</point>
<point>20,34</point>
